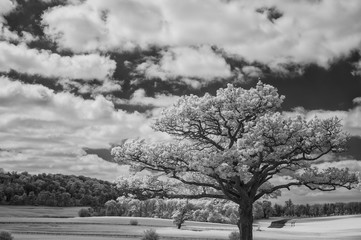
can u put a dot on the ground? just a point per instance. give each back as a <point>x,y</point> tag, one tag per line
<point>44,223</point>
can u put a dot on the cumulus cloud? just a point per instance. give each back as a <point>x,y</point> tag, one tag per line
<point>357,70</point>
<point>107,86</point>
<point>187,62</point>
<point>252,71</point>
<point>302,195</point>
<point>354,165</point>
<point>350,119</point>
<point>357,100</point>
<point>33,61</point>
<point>6,6</point>
<point>38,124</point>
<point>79,164</point>
<point>139,97</point>
<point>303,32</point>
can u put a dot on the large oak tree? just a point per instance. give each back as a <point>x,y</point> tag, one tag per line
<point>235,146</point>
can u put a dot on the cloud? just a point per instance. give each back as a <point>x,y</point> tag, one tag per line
<point>160,100</point>
<point>303,32</point>
<point>96,25</point>
<point>92,165</point>
<point>6,6</point>
<point>252,71</point>
<point>188,62</point>
<point>88,165</point>
<point>302,195</point>
<point>41,127</point>
<point>350,119</point>
<point>357,70</point>
<point>353,165</point>
<point>41,62</point>
<point>107,86</point>
<point>357,100</point>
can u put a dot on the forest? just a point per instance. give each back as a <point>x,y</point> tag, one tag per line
<point>54,190</point>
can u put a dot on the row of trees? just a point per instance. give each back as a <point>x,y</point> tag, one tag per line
<point>220,211</point>
<point>203,210</point>
<point>54,190</point>
<point>314,210</point>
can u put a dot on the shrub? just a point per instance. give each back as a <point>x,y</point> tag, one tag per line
<point>234,236</point>
<point>5,236</point>
<point>150,234</point>
<point>133,222</point>
<point>84,212</point>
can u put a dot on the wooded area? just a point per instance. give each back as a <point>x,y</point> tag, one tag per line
<point>54,190</point>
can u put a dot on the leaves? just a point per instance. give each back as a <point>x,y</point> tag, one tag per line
<point>231,145</point>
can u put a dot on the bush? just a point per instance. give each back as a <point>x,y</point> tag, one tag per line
<point>84,212</point>
<point>234,236</point>
<point>133,222</point>
<point>150,234</point>
<point>5,236</point>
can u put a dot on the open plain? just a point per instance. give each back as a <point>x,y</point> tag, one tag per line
<point>61,223</point>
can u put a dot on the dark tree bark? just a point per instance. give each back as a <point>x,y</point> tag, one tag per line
<point>245,221</point>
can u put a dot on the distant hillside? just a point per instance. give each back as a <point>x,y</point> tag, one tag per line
<point>54,190</point>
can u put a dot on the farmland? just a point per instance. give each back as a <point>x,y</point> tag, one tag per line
<point>61,223</point>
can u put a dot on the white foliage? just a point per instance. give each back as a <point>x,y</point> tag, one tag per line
<point>233,143</point>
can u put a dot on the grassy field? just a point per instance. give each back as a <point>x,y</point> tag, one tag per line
<point>30,223</point>
<point>37,211</point>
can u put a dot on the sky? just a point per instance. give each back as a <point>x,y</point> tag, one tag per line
<point>78,77</point>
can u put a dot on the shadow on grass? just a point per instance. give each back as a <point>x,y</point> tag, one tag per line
<point>279,224</point>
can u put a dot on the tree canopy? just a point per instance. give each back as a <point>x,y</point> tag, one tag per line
<point>232,146</point>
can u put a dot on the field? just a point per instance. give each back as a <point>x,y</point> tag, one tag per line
<point>47,223</point>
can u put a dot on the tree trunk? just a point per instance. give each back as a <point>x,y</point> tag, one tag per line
<point>245,221</point>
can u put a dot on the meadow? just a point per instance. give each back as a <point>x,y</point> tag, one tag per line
<point>48,223</point>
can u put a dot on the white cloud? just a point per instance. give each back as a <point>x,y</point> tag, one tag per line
<point>353,165</point>
<point>252,71</point>
<point>43,128</point>
<point>32,61</point>
<point>308,31</point>
<point>107,86</point>
<point>160,100</point>
<point>7,35</point>
<point>6,6</point>
<point>350,119</point>
<point>357,100</point>
<point>71,164</point>
<point>187,62</point>
<point>357,70</point>
<point>302,195</point>
<point>353,121</point>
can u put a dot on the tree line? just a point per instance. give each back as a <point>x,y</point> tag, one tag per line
<point>289,209</point>
<point>69,190</point>
<point>54,190</point>
<point>220,211</point>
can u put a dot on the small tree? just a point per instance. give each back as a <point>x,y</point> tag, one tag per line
<point>150,234</point>
<point>231,146</point>
<point>182,214</point>
<point>289,208</point>
<point>84,212</point>
<point>267,209</point>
